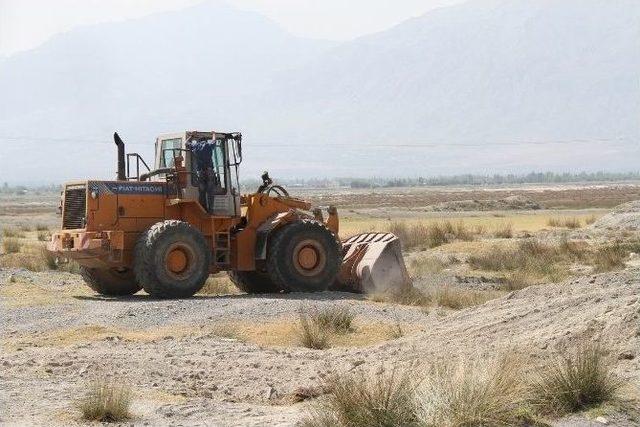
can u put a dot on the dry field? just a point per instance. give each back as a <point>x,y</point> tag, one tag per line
<point>518,316</point>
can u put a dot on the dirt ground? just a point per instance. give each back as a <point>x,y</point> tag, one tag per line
<point>236,360</point>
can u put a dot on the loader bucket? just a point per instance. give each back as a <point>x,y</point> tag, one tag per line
<point>372,263</point>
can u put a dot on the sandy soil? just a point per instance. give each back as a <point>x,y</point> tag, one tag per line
<point>185,369</point>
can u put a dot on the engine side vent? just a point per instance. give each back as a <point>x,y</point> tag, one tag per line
<point>75,207</point>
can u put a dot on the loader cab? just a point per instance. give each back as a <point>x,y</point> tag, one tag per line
<point>211,161</point>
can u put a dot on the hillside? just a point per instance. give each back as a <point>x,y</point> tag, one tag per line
<point>430,96</point>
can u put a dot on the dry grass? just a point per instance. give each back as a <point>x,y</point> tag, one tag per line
<point>452,394</point>
<point>316,326</point>
<point>590,219</point>
<point>106,402</point>
<point>609,258</point>
<point>408,296</point>
<point>11,245</point>
<point>473,393</point>
<point>359,399</point>
<point>12,232</point>
<point>478,223</point>
<point>567,222</point>
<point>578,381</point>
<point>396,330</point>
<point>310,334</point>
<point>35,257</point>
<point>431,235</point>
<point>44,236</point>
<point>42,227</point>
<point>440,296</point>
<point>25,227</point>
<point>459,298</point>
<point>530,261</point>
<point>503,231</point>
<point>336,318</point>
<point>423,265</point>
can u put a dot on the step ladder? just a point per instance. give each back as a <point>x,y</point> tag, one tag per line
<point>222,251</point>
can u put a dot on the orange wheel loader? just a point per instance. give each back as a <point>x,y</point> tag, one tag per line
<point>166,229</point>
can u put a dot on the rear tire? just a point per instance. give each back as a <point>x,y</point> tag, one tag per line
<point>303,256</point>
<point>111,282</point>
<point>172,260</point>
<point>253,282</point>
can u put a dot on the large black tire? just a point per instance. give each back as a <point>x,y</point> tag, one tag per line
<point>253,282</point>
<point>292,272</point>
<point>172,260</point>
<point>108,281</point>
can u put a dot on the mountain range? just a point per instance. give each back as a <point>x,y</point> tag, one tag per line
<point>484,86</point>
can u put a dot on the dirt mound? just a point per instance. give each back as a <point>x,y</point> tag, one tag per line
<point>625,217</point>
<point>518,202</point>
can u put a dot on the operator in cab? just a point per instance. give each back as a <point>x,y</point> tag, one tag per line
<point>208,181</point>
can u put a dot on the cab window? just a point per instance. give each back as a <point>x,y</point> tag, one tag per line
<point>167,153</point>
<point>208,154</point>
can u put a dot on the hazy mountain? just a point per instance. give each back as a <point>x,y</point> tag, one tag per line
<point>194,68</point>
<point>477,73</point>
<point>431,95</point>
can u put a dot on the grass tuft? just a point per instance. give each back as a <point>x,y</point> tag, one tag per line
<point>472,394</point>
<point>431,235</point>
<point>530,261</point>
<point>12,232</point>
<point>396,330</point>
<point>609,258</point>
<point>44,236</point>
<point>590,219</point>
<point>503,231</point>
<point>359,399</point>
<point>576,382</point>
<point>569,222</point>
<point>11,245</point>
<point>425,265</point>
<point>310,334</point>
<point>336,318</point>
<point>443,296</point>
<point>42,227</point>
<point>106,402</point>
<point>459,298</point>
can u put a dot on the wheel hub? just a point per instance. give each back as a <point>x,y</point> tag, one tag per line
<point>309,257</point>
<point>177,260</point>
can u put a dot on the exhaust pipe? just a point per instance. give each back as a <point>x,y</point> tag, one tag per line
<point>122,176</point>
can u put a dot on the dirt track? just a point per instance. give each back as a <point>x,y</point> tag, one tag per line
<point>185,369</point>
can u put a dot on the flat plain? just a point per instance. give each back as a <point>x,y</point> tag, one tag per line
<point>527,272</point>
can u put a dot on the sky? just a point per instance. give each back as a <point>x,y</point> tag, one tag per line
<point>25,24</point>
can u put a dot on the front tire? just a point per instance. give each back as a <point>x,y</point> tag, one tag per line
<point>110,282</point>
<point>172,260</point>
<point>303,256</point>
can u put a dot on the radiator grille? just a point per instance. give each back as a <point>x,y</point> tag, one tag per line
<point>75,207</point>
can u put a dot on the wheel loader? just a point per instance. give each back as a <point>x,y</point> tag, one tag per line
<point>166,229</point>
